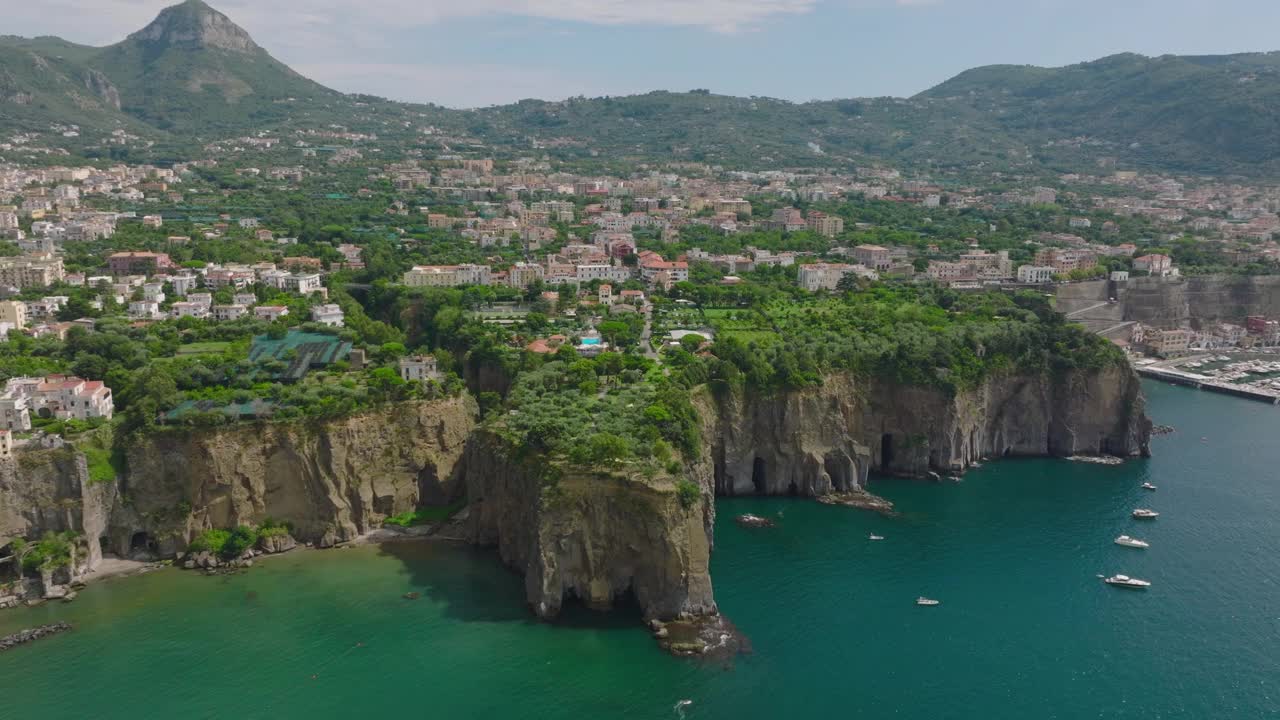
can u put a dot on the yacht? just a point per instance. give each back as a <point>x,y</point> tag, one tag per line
<point>1124,581</point>
<point>1145,514</point>
<point>1148,486</point>
<point>875,537</point>
<point>1127,541</point>
<point>927,602</point>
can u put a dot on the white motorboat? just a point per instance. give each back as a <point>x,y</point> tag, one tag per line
<point>927,602</point>
<point>1145,514</point>
<point>1148,486</point>
<point>874,536</point>
<point>1124,581</point>
<point>1132,542</point>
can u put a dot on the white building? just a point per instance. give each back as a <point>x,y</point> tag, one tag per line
<point>270,313</point>
<point>55,396</point>
<point>329,314</point>
<point>419,368</point>
<point>1035,274</point>
<point>447,275</point>
<point>229,312</point>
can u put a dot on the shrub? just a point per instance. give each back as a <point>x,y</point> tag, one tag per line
<point>239,540</point>
<point>212,540</point>
<point>688,493</point>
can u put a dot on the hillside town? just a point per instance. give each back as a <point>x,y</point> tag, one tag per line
<point>174,245</point>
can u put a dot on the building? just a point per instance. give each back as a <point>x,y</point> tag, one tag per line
<point>6,445</point>
<point>1064,260</point>
<point>329,314</point>
<point>419,368</point>
<point>1168,343</point>
<point>824,224</point>
<point>447,275</point>
<point>1157,265</point>
<point>189,309</point>
<point>827,276</point>
<point>303,283</point>
<point>1035,274</point>
<point>651,264</point>
<point>270,313</point>
<point>13,315</point>
<point>56,396</point>
<point>522,275</point>
<point>873,256</point>
<point>944,271</point>
<point>229,312</point>
<point>139,263</point>
<point>31,271</point>
<point>605,295</point>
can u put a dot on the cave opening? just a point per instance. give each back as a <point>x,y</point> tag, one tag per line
<point>886,451</point>
<point>623,610</point>
<point>141,542</point>
<point>836,470</point>
<point>104,543</point>
<point>758,478</point>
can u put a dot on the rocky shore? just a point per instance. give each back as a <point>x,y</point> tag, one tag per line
<point>25,636</point>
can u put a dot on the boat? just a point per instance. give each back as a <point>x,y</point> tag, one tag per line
<point>1145,514</point>
<point>1148,486</point>
<point>1124,581</point>
<point>927,602</point>
<point>874,536</point>
<point>1127,541</point>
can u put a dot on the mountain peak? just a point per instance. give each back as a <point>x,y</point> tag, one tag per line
<point>195,25</point>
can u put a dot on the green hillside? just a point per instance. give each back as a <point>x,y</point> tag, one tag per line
<point>1209,114</point>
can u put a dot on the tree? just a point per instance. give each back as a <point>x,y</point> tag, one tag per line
<point>692,343</point>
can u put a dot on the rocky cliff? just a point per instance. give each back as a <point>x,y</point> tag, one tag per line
<point>332,480</point>
<point>593,536</point>
<point>823,439</point>
<point>598,536</point>
<point>49,491</point>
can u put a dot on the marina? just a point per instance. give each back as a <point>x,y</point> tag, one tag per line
<point>1256,378</point>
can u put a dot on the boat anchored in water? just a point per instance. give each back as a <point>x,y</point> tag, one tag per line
<point>1132,542</point>
<point>1145,514</point>
<point>874,536</point>
<point>1148,486</point>
<point>1124,581</point>
<point>927,602</point>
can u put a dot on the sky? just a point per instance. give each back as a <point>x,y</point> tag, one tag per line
<point>470,53</point>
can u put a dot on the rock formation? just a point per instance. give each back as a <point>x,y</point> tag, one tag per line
<point>332,480</point>
<point>592,534</point>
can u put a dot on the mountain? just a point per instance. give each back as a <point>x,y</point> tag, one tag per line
<point>192,70</point>
<point>1208,114</point>
<point>193,75</point>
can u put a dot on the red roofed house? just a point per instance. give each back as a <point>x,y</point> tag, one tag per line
<point>139,263</point>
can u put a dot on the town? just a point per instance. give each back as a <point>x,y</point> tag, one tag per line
<point>594,262</point>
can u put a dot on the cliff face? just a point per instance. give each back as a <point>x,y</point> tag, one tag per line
<point>595,537</point>
<point>43,491</point>
<point>817,440</point>
<point>333,480</point>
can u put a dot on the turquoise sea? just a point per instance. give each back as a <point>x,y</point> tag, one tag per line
<point>1025,629</point>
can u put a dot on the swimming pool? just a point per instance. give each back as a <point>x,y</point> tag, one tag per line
<point>590,341</point>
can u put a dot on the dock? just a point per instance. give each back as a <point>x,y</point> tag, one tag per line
<point>1204,382</point>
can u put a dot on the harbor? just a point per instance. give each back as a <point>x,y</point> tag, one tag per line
<point>1255,378</point>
